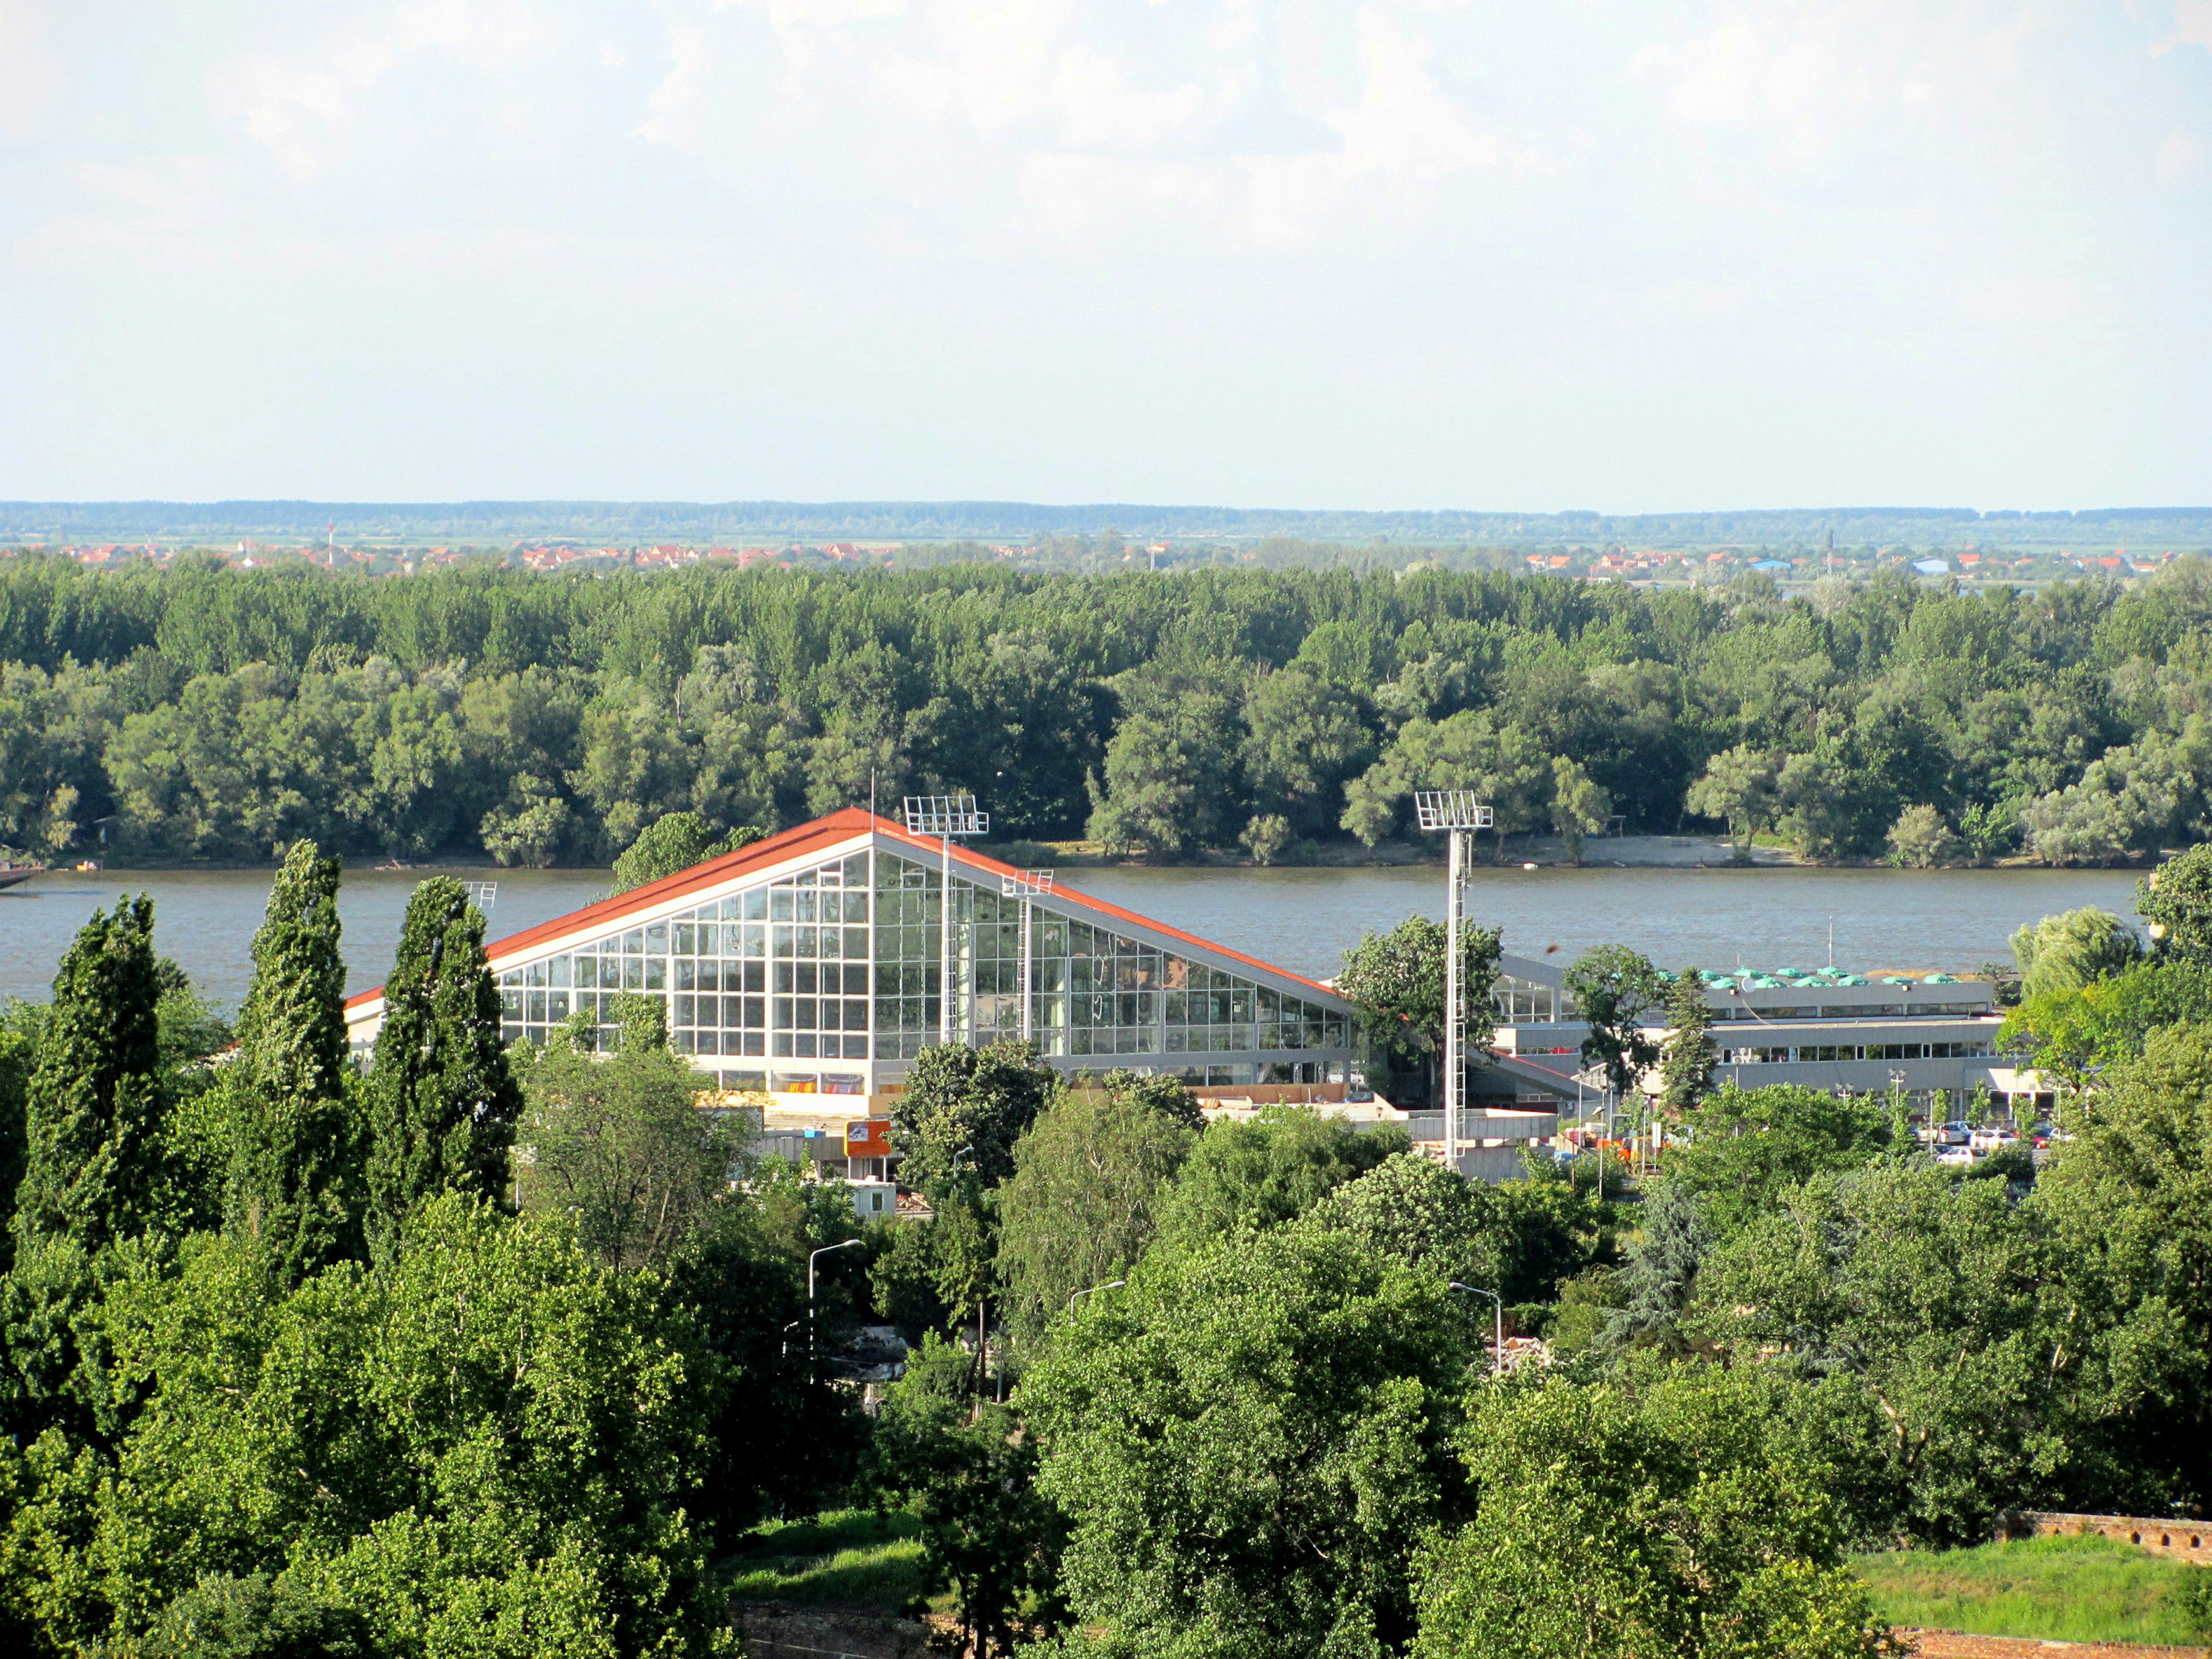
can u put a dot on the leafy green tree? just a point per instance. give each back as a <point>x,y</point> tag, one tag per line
<point>256,1617</point>
<point>1266,837</point>
<point>493,1433</point>
<point>1613,988</point>
<point>1503,765</point>
<point>1924,1294</point>
<point>1170,773</point>
<point>674,842</point>
<point>1686,1065</point>
<point>1718,1534</point>
<point>19,1051</point>
<point>1081,1206</point>
<point>1396,980</point>
<point>1308,1389</point>
<point>2176,901</point>
<point>1271,1169</point>
<point>1519,1239</point>
<point>295,1180</point>
<point>1306,736</point>
<point>988,1536</point>
<point>442,1103</point>
<point>2130,1234</point>
<point>964,1109</point>
<point>2075,948</point>
<point>621,1143</point>
<point>1660,1275</point>
<point>1737,788</point>
<point>1920,839</point>
<point>2074,1032</point>
<point>1580,806</point>
<point>93,1167</point>
<point>1746,1148</point>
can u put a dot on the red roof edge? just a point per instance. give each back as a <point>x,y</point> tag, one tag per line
<point>838,826</point>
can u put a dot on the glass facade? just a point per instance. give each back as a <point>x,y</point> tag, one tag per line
<point>799,981</point>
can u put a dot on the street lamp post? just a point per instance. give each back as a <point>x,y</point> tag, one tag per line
<point>827,1250</point>
<point>1498,1349</point>
<point>1458,814</point>
<point>946,816</point>
<point>1076,1296</point>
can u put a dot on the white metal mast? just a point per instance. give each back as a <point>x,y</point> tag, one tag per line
<point>1458,814</point>
<point>1025,886</point>
<point>946,816</point>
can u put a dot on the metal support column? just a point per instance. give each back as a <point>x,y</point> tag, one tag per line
<point>946,816</point>
<point>1025,886</point>
<point>1455,1012</point>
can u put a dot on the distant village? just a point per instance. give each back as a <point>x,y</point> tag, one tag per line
<point>1617,563</point>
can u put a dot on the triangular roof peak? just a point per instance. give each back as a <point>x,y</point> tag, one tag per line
<point>820,837</point>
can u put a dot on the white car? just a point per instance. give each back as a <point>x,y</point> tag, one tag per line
<point>1993,1140</point>
<point>1954,1155</point>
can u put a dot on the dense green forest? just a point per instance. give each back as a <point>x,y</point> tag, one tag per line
<point>202,713</point>
<point>466,1353</point>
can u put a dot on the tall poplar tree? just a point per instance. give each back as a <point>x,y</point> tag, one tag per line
<point>294,1163</point>
<point>93,1157</point>
<point>1687,1071</point>
<point>442,1102</point>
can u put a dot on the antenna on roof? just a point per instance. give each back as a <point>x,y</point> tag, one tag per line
<point>946,816</point>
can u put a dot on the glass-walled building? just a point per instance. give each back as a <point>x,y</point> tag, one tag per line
<point>820,961</point>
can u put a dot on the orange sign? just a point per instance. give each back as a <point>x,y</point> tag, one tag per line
<point>868,1137</point>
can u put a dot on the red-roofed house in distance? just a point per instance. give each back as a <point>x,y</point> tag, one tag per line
<point>810,963</point>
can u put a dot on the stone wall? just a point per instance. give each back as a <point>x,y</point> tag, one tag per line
<point>2189,1540</point>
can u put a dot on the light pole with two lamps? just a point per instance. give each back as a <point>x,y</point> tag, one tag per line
<point>1459,815</point>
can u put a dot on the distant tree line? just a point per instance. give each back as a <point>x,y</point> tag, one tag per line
<point>202,713</point>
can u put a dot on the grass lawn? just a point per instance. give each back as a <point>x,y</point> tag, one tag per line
<point>844,1559</point>
<point>2063,1590</point>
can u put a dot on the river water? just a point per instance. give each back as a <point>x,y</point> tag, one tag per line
<point>1302,920</point>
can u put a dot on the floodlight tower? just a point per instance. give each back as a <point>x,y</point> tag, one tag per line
<point>1026,885</point>
<point>1459,815</point>
<point>946,816</point>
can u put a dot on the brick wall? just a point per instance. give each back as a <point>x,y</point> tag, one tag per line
<point>2189,1540</point>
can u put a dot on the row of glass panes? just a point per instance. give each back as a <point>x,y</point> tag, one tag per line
<point>781,1045</point>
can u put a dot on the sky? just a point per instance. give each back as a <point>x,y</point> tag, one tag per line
<point>1600,254</point>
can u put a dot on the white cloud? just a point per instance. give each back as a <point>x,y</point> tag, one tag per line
<point>1098,111</point>
<point>1826,73</point>
<point>1404,127</point>
<point>673,101</point>
<point>2192,26</point>
<point>30,75</point>
<point>298,107</point>
<point>1075,194</point>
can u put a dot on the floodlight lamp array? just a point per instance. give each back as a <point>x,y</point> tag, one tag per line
<point>1025,883</point>
<point>946,815</point>
<point>1450,809</point>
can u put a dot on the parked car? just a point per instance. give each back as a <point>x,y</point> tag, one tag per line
<point>1993,1138</point>
<point>1960,1153</point>
<point>1957,1132</point>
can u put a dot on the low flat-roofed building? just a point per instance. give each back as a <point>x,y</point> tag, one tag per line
<point>809,964</point>
<point>1933,1036</point>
